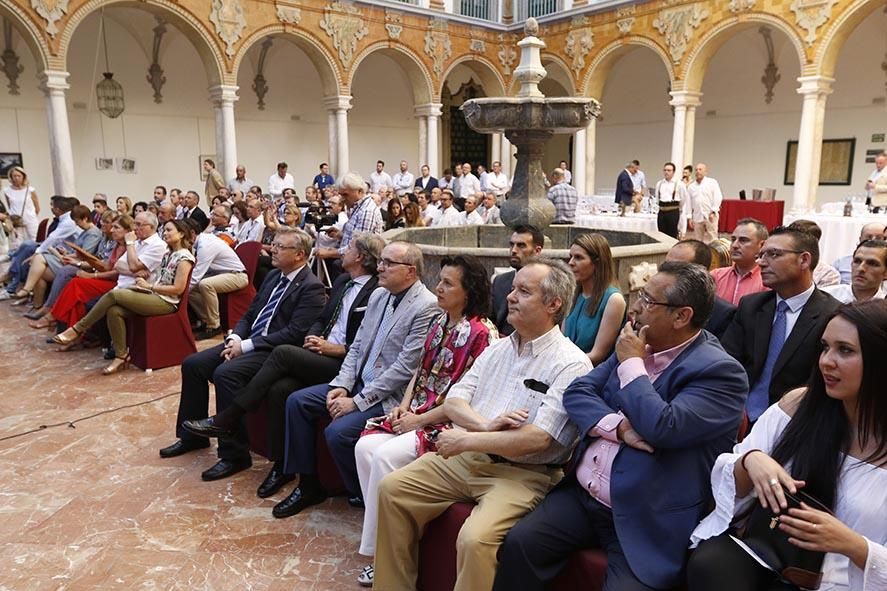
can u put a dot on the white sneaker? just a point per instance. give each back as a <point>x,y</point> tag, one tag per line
<point>5,295</point>
<point>366,576</point>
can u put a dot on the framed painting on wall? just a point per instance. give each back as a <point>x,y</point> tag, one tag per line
<point>836,164</point>
<point>7,161</point>
<point>126,166</point>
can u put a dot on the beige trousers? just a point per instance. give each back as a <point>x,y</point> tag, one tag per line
<point>706,231</point>
<point>204,299</point>
<point>117,305</point>
<point>411,497</point>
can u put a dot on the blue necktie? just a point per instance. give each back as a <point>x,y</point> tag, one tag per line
<point>759,397</point>
<point>267,312</point>
<point>369,374</point>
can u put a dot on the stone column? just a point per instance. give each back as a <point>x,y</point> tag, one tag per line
<point>223,98</point>
<point>495,148</point>
<point>684,103</point>
<point>340,105</point>
<point>423,143</point>
<point>590,155</point>
<point>505,157</point>
<point>579,160</point>
<point>430,113</point>
<point>54,83</point>
<point>815,91</point>
<point>331,140</point>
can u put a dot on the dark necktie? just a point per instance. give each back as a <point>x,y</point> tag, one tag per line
<point>338,310</point>
<point>267,312</point>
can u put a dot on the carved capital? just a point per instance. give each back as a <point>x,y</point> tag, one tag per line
<point>344,23</point>
<point>428,110</point>
<point>340,102</point>
<point>228,18</point>
<point>223,94</point>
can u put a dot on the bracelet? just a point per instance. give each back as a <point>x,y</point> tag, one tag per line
<point>130,242</point>
<point>745,455</point>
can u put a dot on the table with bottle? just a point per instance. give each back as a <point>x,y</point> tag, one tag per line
<point>840,233</point>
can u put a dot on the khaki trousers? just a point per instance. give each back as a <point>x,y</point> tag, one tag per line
<point>706,231</point>
<point>117,305</point>
<point>204,298</point>
<point>411,497</point>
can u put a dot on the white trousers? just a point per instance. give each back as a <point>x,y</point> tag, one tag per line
<point>377,455</point>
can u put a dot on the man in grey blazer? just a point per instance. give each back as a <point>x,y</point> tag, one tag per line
<point>379,365</point>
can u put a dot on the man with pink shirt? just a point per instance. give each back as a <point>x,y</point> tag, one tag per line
<point>744,275</point>
<point>654,416</point>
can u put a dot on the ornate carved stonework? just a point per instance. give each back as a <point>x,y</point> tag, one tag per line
<point>771,71</point>
<point>11,67</point>
<point>52,11</point>
<point>155,73</point>
<point>812,14</point>
<point>289,15</point>
<point>260,85</point>
<point>507,54</point>
<point>624,25</point>
<point>579,43</point>
<point>626,11</point>
<point>229,20</point>
<point>677,26</point>
<point>344,24</point>
<point>478,46</point>
<point>393,24</point>
<point>438,45</point>
<point>740,5</point>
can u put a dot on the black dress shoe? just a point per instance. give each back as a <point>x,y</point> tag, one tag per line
<point>206,428</point>
<point>208,333</point>
<point>182,447</point>
<point>356,502</point>
<point>297,501</point>
<point>226,468</point>
<point>272,483</point>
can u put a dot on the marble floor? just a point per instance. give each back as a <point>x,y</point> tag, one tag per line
<point>94,507</point>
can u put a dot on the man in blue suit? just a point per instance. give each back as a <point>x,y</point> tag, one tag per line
<point>625,187</point>
<point>655,416</point>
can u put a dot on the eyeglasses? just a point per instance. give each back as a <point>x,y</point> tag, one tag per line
<point>647,302</point>
<point>774,253</point>
<point>279,246</point>
<point>390,263</point>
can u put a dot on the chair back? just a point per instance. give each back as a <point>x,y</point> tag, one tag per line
<point>249,255</point>
<point>41,229</point>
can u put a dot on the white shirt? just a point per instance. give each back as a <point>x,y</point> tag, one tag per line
<point>568,176</point>
<point>705,198</point>
<point>472,219</point>
<point>250,230</point>
<point>638,179</point>
<point>339,330</point>
<point>214,257</point>
<point>379,180</point>
<point>149,251</point>
<point>795,307</point>
<point>276,185</point>
<point>844,293</point>
<point>468,185</point>
<point>498,183</point>
<point>443,183</point>
<point>449,217</point>
<point>65,230</point>
<point>430,214</point>
<point>404,182</point>
<point>246,345</point>
<point>484,181</point>
<point>242,186</point>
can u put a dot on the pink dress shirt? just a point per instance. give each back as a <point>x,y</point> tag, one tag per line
<point>731,286</point>
<point>593,471</point>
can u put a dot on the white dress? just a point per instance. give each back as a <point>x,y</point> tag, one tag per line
<point>861,505</point>
<point>19,202</point>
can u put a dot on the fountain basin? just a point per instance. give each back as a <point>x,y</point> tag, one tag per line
<point>551,115</point>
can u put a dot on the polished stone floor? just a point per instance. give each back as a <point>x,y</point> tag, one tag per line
<point>94,507</point>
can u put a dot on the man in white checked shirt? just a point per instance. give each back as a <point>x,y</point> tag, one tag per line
<point>510,439</point>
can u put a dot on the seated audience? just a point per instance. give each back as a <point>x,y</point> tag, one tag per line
<point>870,231</point>
<point>721,256</point>
<point>191,210</point>
<point>155,297</point>
<point>775,334</point>
<point>290,367</point>
<point>697,252</point>
<point>744,275</point>
<point>449,215</point>
<point>828,440</point>
<point>427,207</point>
<point>220,223</point>
<point>525,242</point>
<point>395,217</point>
<point>510,438</point>
<point>490,213</point>
<point>370,383</point>
<point>824,275</point>
<point>471,216</point>
<point>652,419</point>
<point>869,271</point>
<point>251,228</point>
<point>287,303</point>
<point>124,206</point>
<point>139,207</point>
<point>456,338</point>
<point>599,309</point>
<point>412,216</point>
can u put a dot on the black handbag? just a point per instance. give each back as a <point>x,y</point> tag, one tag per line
<point>795,565</point>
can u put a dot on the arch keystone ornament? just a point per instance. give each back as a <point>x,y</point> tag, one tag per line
<point>437,44</point>
<point>52,11</point>
<point>289,15</point>
<point>344,23</point>
<point>677,26</point>
<point>507,54</point>
<point>740,5</point>
<point>579,43</point>
<point>812,14</point>
<point>229,20</point>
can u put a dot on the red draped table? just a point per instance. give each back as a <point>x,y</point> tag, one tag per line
<point>733,210</point>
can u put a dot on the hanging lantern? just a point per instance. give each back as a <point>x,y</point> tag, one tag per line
<point>110,96</point>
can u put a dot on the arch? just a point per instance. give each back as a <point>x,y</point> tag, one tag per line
<point>552,58</point>
<point>697,60</point>
<point>833,40</point>
<point>417,73</point>
<point>599,70</point>
<point>323,61</point>
<point>32,36</point>
<point>190,26</point>
<point>489,76</point>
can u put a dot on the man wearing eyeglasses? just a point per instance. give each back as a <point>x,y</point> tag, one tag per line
<point>377,368</point>
<point>449,215</point>
<point>652,419</point>
<point>775,334</point>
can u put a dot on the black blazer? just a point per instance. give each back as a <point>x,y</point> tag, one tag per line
<point>501,289</point>
<point>355,314</point>
<point>301,304</point>
<point>432,183</point>
<point>198,215</point>
<point>748,338</point>
<point>624,188</point>
<point>721,317</point>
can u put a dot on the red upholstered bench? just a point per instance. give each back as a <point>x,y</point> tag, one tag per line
<point>161,341</point>
<point>235,304</point>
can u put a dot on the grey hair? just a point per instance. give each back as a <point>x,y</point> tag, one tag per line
<point>560,283</point>
<point>558,173</point>
<point>151,218</point>
<point>693,287</point>
<point>412,255</point>
<point>225,209</point>
<point>302,238</point>
<point>369,246</point>
<point>353,181</point>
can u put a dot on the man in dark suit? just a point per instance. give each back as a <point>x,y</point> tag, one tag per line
<point>625,187</point>
<point>526,242</point>
<point>775,334</point>
<point>654,417</point>
<point>426,182</point>
<point>698,252</point>
<point>192,210</point>
<point>291,368</point>
<point>288,302</point>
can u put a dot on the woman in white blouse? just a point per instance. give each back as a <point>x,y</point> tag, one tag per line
<point>22,201</point>
<point>829,439</point>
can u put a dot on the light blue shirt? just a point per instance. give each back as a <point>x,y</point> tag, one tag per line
<point>795,307</point>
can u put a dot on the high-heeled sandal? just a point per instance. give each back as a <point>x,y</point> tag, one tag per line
<point>119,364</point>
<point>69,337</point>
<point>42,324</point>
<point>23,293</point>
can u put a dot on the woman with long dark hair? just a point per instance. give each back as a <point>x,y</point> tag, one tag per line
<point>829,440</point>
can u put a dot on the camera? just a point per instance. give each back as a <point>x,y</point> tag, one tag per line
<point>319,215</point>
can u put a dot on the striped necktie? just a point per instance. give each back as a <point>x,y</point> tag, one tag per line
<point>267,312</point>
<point>369,374</point>
<point>338,310</point>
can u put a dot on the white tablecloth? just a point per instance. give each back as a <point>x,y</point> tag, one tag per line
<point>636,222</point>
<point>839,234</point>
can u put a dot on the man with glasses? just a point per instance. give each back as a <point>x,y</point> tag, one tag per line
<point>775,334</point>
<point>449,215</point>
<point>652,419</point>
<point>252,228</point>
<point>288,302</point>
<point>377,368</point>
<point>743,277</point>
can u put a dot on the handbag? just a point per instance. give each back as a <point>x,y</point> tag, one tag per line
<point>762,534</point>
